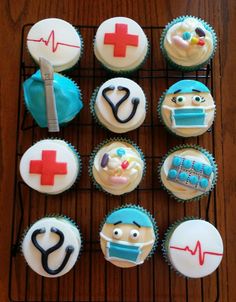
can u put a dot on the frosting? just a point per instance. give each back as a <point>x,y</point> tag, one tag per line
<point>182,191</point>
<point>115,178</point>
<point>120,105</point>
<point>67,98</point>
<point>50,166</point>
<point>188,42</point>
<point>195,248</point>
<point>51,246</point>
<point>120,44</point>
<point>188,108</point>
<point>57,41</point>
<point>127,237</point>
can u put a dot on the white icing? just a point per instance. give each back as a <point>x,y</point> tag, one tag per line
<point>65,56</point>
<point>192,54</point>
<point>134,55</point>
<point>186,235</point>
<point>63,154</point>
<point>177,189</point>
<point>48,239</point>
<point>133,173</point>
<point>104,112</point>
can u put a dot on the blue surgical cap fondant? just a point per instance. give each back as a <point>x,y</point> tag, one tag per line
<point>128,216</point>
<point>187,86</point>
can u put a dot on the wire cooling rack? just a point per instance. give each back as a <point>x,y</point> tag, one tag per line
<point>92,278</point>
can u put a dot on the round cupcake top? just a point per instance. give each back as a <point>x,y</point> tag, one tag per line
<point>187,108</point>
<point>189,41</point>
<point>128,236</point>
<point>120,44</point>
<point>51,246</point>
<point>55,40</point>
<point>118,167</point>
<point>120,105</point>
<point>188,172</point>
<point>67,97</point>
<point>195,248</point>
<point>50,166</point>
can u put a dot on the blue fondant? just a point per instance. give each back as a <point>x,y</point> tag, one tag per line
<point>187,86</point>
<point>172,174</point>
<point>203,183</point>
<point>183,176</point>
<point>197,166</point>
<point>187,163</point>
<point>128,216</point>
<point>193,179</point>
<point>120,152</point>
<point>189,117</point>
<point>126,252</point>
<point>176,161</point>
<point>67,96</point>
<point>207,170</point>
<point>186,35</point>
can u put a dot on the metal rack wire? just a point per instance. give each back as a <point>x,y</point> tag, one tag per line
<point>154,77</point>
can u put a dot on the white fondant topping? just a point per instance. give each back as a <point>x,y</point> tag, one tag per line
<point>63,154</point>
<point>104,111</point>
<point>195,248</point>
<point>49,239</point>
<point>177,189</point>
<point>57,41</point>
<point>108,177</point>
<point>134,55</point>
<point>193,54</point>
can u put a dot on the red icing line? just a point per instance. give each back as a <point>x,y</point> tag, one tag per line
<point>198,248</point>
<point>47,167</point>
<point>51,37</point>
<point>120,39</point>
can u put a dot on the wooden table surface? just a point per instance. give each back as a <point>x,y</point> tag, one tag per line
<point>93,279</point>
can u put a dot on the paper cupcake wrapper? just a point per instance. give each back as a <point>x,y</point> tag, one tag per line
<point>99,146</point>
<point>159,106</point>
<point>53,215</point>
<point>212,162</point>
<point>181,67</point>
<point>165,242</point>
<point>138,207</point>
<point>93,113</point>
<point>124,73</point>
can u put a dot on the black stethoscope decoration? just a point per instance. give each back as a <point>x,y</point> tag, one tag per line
<point>45,253</point>
<point>115,108</point>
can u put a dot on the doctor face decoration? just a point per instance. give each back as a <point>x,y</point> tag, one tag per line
<point>119,105</point>
<point>187,108</point>
<point>117,167</point>
<point>128,236</point>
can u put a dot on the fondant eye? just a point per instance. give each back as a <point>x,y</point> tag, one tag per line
<point>117,233</point>
<point>134,234</point>
<point>197,100</point>
<point>180,100</point>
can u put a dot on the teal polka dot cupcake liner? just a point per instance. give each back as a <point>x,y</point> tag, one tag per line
<point>211,160</point>
<point>181,67</point>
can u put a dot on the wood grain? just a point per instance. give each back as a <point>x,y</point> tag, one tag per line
<point>152,281</point>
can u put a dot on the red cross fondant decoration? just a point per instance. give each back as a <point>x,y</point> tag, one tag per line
<point>120,39</point>
<point>47,167</point>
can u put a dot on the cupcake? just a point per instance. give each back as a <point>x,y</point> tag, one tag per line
<point>188,172</point>
<point>50,166</point>
<point>120,45</point>
<point>193,247</point>
<point>187,108</point>
<point>119,105</point>
<point>188,43</point>
<point>51,246</point>
<point>128,236</point>
<point>117,166</point>
<point>57,41</point>
<point>68,99</point>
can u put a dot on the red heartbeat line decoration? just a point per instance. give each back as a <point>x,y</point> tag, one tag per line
<point>198,248</point>
<point>51,38</point>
